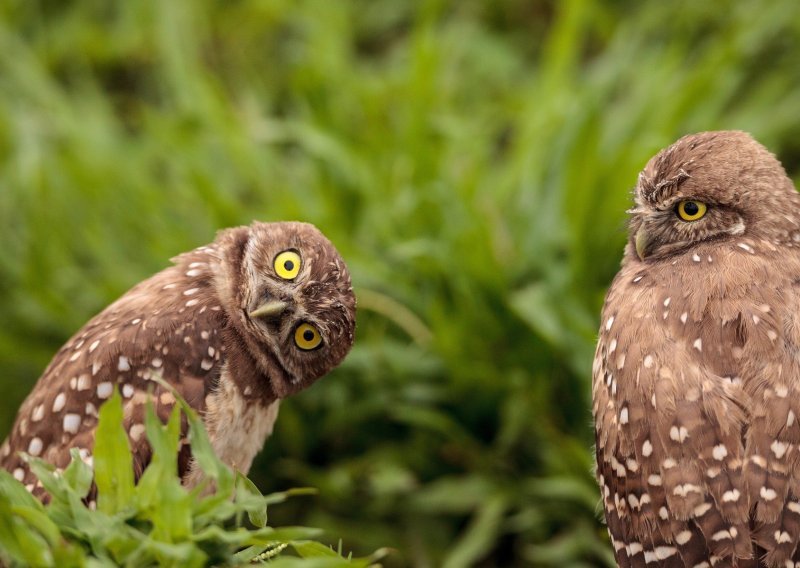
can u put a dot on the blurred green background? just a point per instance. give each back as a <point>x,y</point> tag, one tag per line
<point>471,159</point>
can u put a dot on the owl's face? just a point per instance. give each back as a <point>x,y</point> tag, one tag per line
<point>708,187</point>
<point>293,300</point>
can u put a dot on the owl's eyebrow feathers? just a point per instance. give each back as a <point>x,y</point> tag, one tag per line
<point>655,190</point>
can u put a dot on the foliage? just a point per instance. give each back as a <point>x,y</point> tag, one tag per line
<point>471,160</point>
<point>156,522</point>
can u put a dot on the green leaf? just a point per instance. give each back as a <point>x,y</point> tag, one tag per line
<point>78,474</point>
<point>15,492</point>
<point>18,540</point>
<point>113,462</point>
<point>248,495</point>
<point>202,451</point>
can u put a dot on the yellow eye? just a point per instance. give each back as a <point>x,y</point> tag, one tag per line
<point>306,337</point>
<point>287,264</point>
<point>691,210</point>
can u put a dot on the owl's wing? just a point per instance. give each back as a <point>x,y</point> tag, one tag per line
<point>167,326</point>
<point>772,464</point>
<point>668,436</point>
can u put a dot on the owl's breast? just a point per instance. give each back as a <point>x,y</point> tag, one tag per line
<point>726,307</point>
<point>237,425</point>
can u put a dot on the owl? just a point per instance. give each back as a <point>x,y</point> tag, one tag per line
<point>236,326</point>
<point>696,378</point>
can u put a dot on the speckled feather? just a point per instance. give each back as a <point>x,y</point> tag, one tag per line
<point>190,324</point>
<point>696,379</point>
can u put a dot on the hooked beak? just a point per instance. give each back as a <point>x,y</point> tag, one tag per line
<point>269,310</point>
<point>642,241</point>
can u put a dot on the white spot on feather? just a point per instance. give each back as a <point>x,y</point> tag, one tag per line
<point>778,448</point>
<point>136,432</point>
<point>721,535</point>
<point>696,257</point>
<point>648,361</point>
<point>698,344</point>
<point>609,323</point>
<point>678,434</point>
<point>35,447</point>
<point>731,496</point>
<point>719,452</point>
<point>71,423</point>
<point>38,413</point>
<point>647,448</point>
<point>19,474</point>
<point>782,536</point>
<point>623,416</point>
<point>701,509</point>
<point>767,494</point>
<point>104,389</point>
<point>685,489</point>
<point>124,364</point>
<point>83,383</point>
<point>59,402</point>
<point>94,345</point>
<point>664,552</point>
<point>192,302</point>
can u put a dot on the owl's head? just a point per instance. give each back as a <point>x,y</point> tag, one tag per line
<point>710,186</point>
<point>289,297</point>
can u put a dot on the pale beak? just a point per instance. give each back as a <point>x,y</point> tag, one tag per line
<point>642,242</point>
<point>269,310</point>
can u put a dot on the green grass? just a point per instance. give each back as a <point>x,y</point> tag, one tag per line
<point>471,160</point>
<point>156,522</point>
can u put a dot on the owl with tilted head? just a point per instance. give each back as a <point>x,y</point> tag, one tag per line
<point>235,326</point>
<point>696,380</point>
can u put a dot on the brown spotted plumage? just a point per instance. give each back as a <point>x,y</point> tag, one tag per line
<point>696,379</point>
<point>235,326</point>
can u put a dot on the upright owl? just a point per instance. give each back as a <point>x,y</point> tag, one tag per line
<point>696,379</point>
<point>235,326</point>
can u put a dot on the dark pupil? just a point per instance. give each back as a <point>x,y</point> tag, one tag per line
<point>308,335</point>
<point>691,208</point>
<point>288,265</point>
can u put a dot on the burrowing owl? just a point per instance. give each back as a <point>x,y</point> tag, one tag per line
<point>697,372</point>
<point>235,326</point>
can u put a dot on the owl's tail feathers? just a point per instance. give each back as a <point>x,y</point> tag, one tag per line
<point>780,538</point>
<point>724,539</point>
